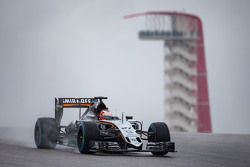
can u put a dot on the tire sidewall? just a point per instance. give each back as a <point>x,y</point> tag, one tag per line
<point>83,145</point>
<point>89,132</point>
<point>38,134</point>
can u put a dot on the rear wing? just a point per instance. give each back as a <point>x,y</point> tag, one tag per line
<point>75,102</point>
<point>61,103</point>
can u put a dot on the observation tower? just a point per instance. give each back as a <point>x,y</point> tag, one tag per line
<point>186,89</point>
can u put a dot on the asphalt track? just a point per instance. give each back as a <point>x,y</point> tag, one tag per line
<point>194,150</point>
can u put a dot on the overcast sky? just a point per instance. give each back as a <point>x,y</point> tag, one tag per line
<point>85,48</point>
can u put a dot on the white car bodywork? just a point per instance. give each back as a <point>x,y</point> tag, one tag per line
<point>127,131</point>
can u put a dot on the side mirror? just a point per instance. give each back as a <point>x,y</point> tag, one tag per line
<point>129,117</point>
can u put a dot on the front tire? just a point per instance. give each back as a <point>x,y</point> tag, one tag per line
<point>160,134</point>
<point>88,131</point>
<point>46,133</point>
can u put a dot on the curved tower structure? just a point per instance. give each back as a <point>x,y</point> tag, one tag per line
<point>186,89</point>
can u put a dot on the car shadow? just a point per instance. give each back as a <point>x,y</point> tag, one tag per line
<point>108,154</point>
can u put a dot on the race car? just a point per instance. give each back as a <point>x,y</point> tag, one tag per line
<point>97,130</point>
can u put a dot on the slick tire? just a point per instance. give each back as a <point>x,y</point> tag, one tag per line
<point>160,134</point>
<point>88,131</point>
<point>46,133</point>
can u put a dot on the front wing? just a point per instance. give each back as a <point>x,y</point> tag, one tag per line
<point>107,146</point>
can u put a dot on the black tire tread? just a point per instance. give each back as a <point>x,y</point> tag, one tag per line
<point>48,133</point>
<point>161,134</point>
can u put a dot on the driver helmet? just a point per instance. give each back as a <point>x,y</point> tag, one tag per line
<point>103,114</point>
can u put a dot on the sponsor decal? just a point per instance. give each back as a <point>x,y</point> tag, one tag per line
<point>77,101</point>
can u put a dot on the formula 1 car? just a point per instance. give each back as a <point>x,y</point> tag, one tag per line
<point>97,130</point>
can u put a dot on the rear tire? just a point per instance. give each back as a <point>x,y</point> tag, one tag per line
<point>87,132</point>
<point>46,133</point>
<point>160,134</point>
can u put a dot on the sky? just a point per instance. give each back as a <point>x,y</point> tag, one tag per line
<point>84,48</point>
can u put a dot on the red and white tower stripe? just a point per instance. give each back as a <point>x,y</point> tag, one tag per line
<point>187,102</point>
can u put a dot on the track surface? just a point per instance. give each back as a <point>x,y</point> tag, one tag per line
<point>193,150</point>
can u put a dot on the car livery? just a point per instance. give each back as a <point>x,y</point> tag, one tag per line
<point>97,130</point>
